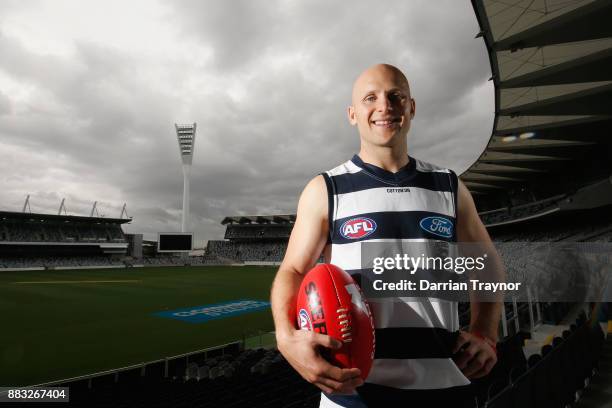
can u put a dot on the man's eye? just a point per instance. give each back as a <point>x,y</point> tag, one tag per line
<point>370,98</point>
<point>397,97</point>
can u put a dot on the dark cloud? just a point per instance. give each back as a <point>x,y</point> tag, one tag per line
<point>267,82</point>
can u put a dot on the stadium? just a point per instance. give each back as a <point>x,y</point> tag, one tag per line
<point>122,321</point>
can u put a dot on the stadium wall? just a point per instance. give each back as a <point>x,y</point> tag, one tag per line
<point>261,263</point>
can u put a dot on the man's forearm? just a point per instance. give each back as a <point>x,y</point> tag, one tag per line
<point>485,317</point>
<point>283,298</point>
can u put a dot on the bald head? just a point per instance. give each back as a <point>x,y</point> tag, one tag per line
<point>376,73</point>
<point>382,108</point>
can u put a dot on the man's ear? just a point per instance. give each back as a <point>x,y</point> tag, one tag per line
<point>350,111</point>
<point>412,107</point>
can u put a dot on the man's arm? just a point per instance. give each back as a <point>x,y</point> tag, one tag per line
<point>479,357</point>
<point>300,347</point>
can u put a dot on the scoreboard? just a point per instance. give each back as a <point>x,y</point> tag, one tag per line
<point>175,242</point>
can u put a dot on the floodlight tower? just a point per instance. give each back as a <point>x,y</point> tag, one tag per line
<point>186,140</point>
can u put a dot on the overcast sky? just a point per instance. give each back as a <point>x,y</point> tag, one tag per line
<point>90,91</point>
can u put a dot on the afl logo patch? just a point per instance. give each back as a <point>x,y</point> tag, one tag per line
<point>439,226</point>
<point>304,320</point>
<point>356,228</point>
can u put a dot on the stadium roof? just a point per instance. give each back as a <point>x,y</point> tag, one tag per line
<point>260,219</point>
<point>551,64</point>
<point>60,218</point>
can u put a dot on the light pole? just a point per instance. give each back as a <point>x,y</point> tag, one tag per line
<point>185,135</point>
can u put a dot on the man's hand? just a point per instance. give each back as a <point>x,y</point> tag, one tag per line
<point>300,349</point>
<point>477,357</point>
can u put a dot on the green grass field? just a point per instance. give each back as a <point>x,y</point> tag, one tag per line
<point>52,330</point>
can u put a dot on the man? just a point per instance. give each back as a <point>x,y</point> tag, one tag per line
<point>384,181</point>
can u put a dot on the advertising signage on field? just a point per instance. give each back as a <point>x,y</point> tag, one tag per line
<point>175,242</point>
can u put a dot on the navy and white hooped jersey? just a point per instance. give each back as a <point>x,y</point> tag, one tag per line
<point>414,336</point>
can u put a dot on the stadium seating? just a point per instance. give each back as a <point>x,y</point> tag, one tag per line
<point>517,212</point>
<point>262,378</point>
<point>556,378</point>
<point>253,378</point>
<point>24,231</point>
<point>595,225</point>
<point>247,251</point>
<point>258,231</point>
<point>40,241</point>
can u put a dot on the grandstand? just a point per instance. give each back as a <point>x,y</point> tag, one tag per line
<point>551,68</point>
<point>250,239</point>
<point>47,240</point>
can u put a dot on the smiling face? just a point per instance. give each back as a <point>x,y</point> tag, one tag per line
<point>381,106</point>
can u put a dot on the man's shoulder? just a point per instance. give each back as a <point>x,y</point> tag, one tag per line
<point>427,167</point>
<point>348,167</point>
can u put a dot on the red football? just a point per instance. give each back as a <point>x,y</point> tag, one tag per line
<point>330,302</point>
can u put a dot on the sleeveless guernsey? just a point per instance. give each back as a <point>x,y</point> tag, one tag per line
<point>414,336</point>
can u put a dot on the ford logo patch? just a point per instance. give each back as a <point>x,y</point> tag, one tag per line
<point>356,228</point>
<point>439,226</point>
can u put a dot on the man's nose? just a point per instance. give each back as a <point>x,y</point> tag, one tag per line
<point>385,104</point>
